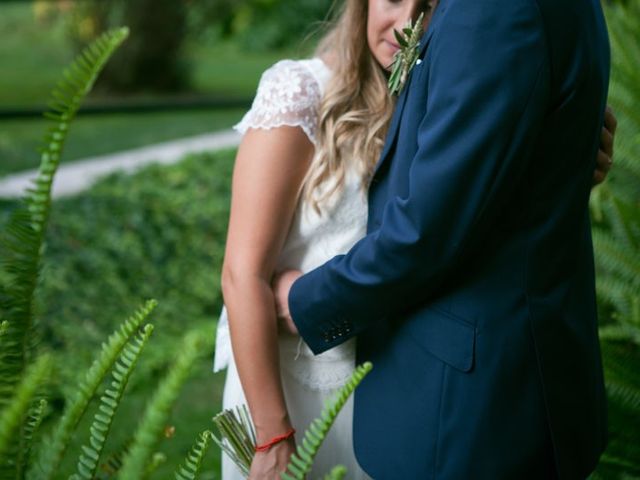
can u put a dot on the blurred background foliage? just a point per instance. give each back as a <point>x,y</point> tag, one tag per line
<point>155,56</point>
<point>615,208</point>
<point>157,234</point>
<point>186,61</point>
<point>160,232</point>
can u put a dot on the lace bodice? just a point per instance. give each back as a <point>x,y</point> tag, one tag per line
<point>289,94</point>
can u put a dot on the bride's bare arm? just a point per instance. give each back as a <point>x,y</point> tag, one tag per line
<point>269,169</point>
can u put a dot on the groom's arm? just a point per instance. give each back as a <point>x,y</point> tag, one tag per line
<point>487,93</point>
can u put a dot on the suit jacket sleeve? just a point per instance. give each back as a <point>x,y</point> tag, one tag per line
<point>488,87</point>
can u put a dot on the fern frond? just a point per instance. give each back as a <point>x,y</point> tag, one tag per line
<point>57,445</point>
<point>302,460</point>
<point>616,204</point>
<point>616,289</point>
<point>625,48</point>
<point>192,464</point>
<point>620,466</point>
<point>109,402</point>
<point>622,457</point>
<point>627,395</point>
<point>31,426</point>
<point>619,333</point>
<point>615,256</point>
<point>618,271</point>
<point>337,473</point>
<point>23,237</point>
<point>113,463</point>
<point>620,361</point>
<point>20,265</point>
<point>15,412</point>
<point>157,411</point>
<point>625,223</point>
<point>66,98</point>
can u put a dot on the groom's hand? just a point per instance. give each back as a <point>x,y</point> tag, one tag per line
<point>605,153</point>
<point>281,285</point>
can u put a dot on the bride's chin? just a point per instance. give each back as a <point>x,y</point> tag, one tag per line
<point>385,64</point>
<point>387,69</point>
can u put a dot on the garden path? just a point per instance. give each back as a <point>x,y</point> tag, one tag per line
<point>73,177</point>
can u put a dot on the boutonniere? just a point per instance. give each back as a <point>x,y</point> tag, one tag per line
<point>407,56</point>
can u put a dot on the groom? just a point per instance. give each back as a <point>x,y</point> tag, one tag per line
<point>473,292</point>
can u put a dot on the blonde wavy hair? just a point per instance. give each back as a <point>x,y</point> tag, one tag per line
<point>355,110</point>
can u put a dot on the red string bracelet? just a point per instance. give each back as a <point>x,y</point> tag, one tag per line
<point>265,447</point>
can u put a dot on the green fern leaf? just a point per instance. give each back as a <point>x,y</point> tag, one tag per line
<point>623,23</point>
<point>300,465</point>
<point>616,204</point>
<point>337,473</point>
<point>31,426</point>
<point>112,464</point>
<point>22,242</point>
<point>110,400</point>
<point>58,443</point>
<point>619,333</point>
<point>13,415</point>
<point>616,257</point>
<point>157,411</point>
<point>191,467</point>
<point>23,237</point>
<point>622,457</point>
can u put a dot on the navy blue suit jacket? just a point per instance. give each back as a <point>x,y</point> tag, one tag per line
<point>473,291</point>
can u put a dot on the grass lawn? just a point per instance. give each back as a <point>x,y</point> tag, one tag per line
<point>230,69</point>
<point>33,55</point>
<point>101,134</point>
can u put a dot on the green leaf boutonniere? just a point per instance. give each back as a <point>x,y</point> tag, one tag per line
<point>406,57</point>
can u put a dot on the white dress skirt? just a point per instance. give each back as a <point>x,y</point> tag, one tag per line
<point>289,94</point>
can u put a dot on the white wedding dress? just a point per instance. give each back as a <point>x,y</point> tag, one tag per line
<point>289,94</point>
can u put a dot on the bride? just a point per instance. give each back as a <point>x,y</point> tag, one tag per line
<point>299,197</point>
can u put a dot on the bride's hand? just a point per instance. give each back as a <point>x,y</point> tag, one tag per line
<point>281,285</point>
<point>269,465</point>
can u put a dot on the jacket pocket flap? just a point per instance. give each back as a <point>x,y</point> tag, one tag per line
<point>444,335</point>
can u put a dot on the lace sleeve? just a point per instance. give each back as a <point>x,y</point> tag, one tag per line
<point>288,95</point>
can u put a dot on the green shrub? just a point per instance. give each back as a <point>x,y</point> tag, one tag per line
<point>158,233</point>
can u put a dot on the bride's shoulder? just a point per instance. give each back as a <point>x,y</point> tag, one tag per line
<point>289,93</point>
<point>304,76</point>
